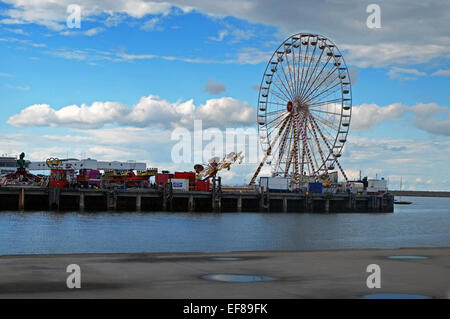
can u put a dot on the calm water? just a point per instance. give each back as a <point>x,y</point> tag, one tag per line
<point>425,223</point>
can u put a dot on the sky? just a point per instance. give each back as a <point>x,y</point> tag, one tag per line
<point>117,87</point>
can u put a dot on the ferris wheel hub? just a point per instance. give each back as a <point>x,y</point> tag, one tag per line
<point>299,105</point>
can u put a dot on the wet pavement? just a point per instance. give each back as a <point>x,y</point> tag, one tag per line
<point>258,274</point>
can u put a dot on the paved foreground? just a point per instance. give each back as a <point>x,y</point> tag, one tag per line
<point>318,274</point>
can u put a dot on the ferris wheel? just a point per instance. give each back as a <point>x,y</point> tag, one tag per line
<point>304,109</point>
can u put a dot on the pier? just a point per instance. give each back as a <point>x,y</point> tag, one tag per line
<point>148,200</point>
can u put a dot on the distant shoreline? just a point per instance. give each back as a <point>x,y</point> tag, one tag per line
<point>109,254</point>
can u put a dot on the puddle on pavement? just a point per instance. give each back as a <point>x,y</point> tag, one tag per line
<point>395,296</point>
<point>237,278</point>
<point>407,257</point>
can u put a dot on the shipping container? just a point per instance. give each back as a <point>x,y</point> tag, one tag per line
<point>163,178</point>
<point>202,186</point>
<point>179,184</point>
<point>376,186</point>
<point>276,184</point>
<point>185,175</point>
<point>356,187</point>
<point>315,188</point>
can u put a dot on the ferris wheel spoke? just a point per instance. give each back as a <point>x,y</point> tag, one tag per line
<point>275,112</point>
<point>326,95</point>
<point>321,103</point>
<point>289,88</point>
<point>322,92</point>
<point>286,92</point>
<point>328,135</point>
<point>321,111</point>
<point>321,84</point>
<point>326,127</point>
<point>276,122</point>
<point>283,92</point>
<point>275,103</point>
<point>298,63</point>
<point>280,97</point>
<point>303,84</point>
<point>293,65</point>
<point>290,72</point>
<point>303,65</point>
<point>323,78</point>
<point>314,72</point>
<point>325,122</point>
<point>316,78</point>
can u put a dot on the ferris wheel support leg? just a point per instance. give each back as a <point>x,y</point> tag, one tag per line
<point>295,151</point>
<point>283,143</point>
<point>308,153</point>
<point>321,153</point>
<point>331,151</point>
<point>269,150</point>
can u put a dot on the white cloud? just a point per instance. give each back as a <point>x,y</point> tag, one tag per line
<point>23,42</point>
<point>213,87</point>
<point>435,126</point>
<point>53,15</point>
<point>404,73</point>
<point>429,117</point>
<point>234,33</point>
<point>253,56</point>
<point>385,54</point>
<point>353,70</point>
<point>131,57</point>
<point>367,116</point>
<point>151,24</point>
<point>220,36</point>
<point>94,31</point>
<point>18,87</point>
<point>150,111</point>
<point>441,73</point>
<point>17,31</point>
<point>395,43</point>
<point>396,158</point>
<point>422,110</point>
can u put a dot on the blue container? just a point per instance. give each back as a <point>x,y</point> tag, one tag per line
<point>315,188</point>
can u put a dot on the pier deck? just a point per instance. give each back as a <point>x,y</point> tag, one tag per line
<point>36,198</point>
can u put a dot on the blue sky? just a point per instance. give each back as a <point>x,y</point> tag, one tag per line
<point>127,50</point>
